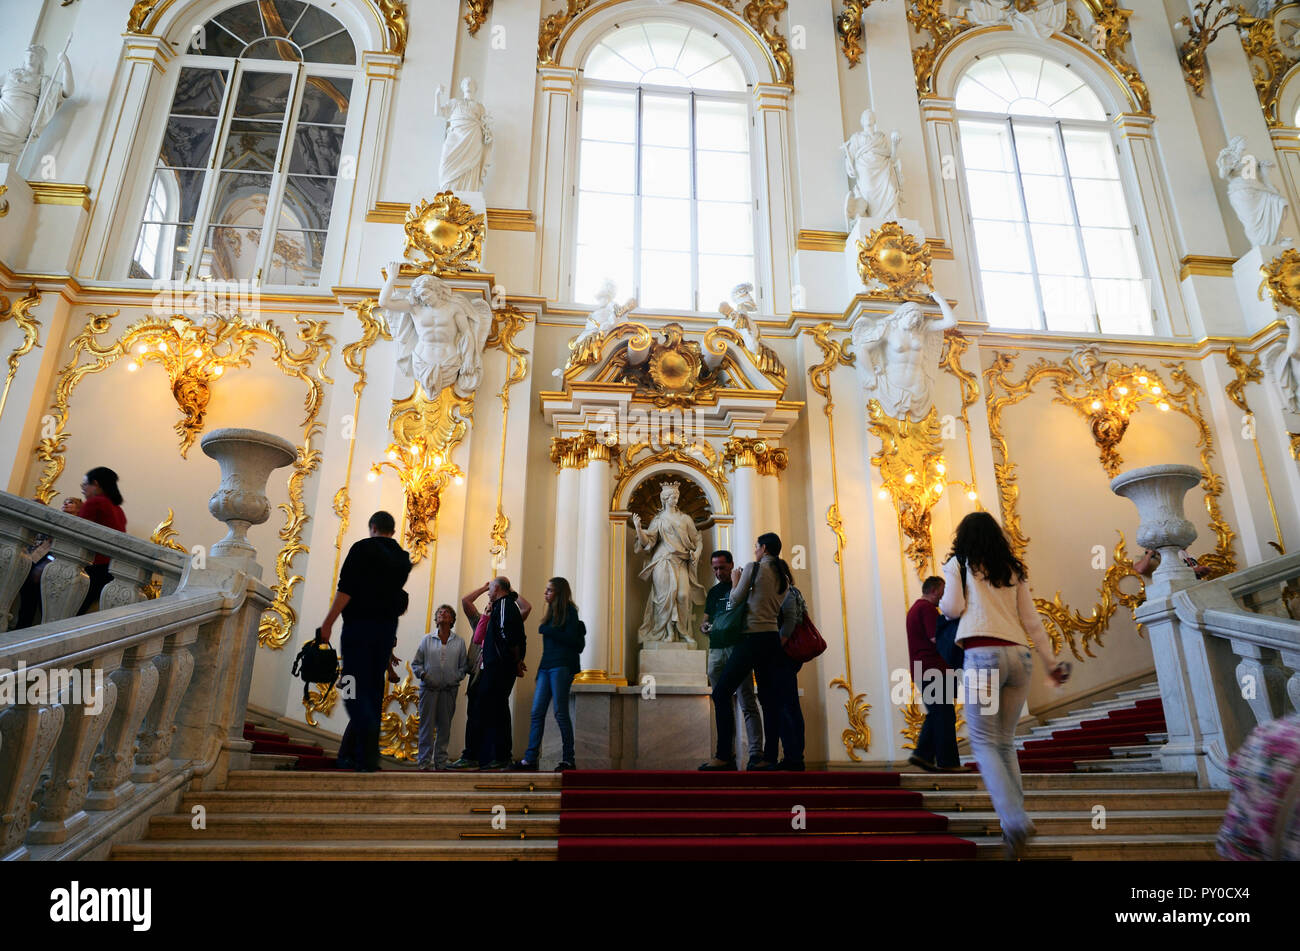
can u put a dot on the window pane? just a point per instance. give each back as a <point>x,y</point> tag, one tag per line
<point>251,145</point>
<point>605,219</point>
<point>1123,307</point>
<point>1091,154</point>
<point>1080,104</point>
<point>666,172</point>
<point>1002,246</point>
<point>994,195</point>
<point>325,100</point>
<point>723,176</point>
<point>317,150</point>
<point>187,143</point>
<point>1010,300</point>
<point>307,202</point>
<point>1047,199</point>
<point>160,251</point>
<point>241,198</point>
<point>337,49</point>
<point>244,21</point>
<point>1038,151</point>
<point>666,224</point>
<point>606,167</point>
<point>722,75</point>
<point>199,92</point>
<point>721,125</point>
<point>593,263</point>
<point>726,228</point>
<point>1056,249</point>
<point>230,254</point>
<point>991,73</point>
<point>262,95</point>
<point>666,42</point>
<point>610,116</point>
<point>666,280</point>
<point>632,45</point>
<point>214,40</point>
<point>296,258</point>
<point>310,33</point>
<point>174,195</point>
<point>986,145</point>
<point>665,120</point>
<point>1066,304</point>
<point>1100,203</point>
<point>604,63</point>
<point>1111,253</point>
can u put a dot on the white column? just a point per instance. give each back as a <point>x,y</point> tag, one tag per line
<point>570,458</point>
<point>768,515</point>
<point>592,589</point>
<point>555,149</point>
<point>744,498</point>
<point>776,241</point>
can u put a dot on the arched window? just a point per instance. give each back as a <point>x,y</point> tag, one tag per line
<point>251,149</point>
<point>665,201</point>
<point>1053,233</point>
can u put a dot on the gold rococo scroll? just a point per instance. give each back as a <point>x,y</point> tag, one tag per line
<point>20,311</point>
<point>1092,387</point>
<point>306,365</point>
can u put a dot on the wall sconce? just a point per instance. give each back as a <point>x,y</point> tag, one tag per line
<point>1203,29</point>
<point>1109,404</point>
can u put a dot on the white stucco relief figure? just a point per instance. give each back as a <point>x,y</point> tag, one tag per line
<point>440,335</point>
<point>898,357</point>
<point>1285,363</point>
<point>738,315</point>
<point>1046,18</point>
<point>29,99</point>
<point>467,147</point>
<point>675,546</point>
<point>875,173</point>
<point>607,313</point>
<point>1259,206</point>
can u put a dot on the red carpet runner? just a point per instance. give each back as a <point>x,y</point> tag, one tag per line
<point>1092,739</point>
<point>281,744</point>
<point>633,815</point>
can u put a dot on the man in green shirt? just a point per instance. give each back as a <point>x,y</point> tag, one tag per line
<point>720,652</point>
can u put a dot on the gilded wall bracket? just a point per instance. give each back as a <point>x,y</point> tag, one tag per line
<point>1207,21</point>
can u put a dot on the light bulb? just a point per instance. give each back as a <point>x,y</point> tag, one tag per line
<point>1155,390</point>
<point>883,494</point>
<point>1142,380</point>
<point>459,480</point>
<point>938,488</point>
<point>392,455</point>
<point>162,347</point>
<point>415,451</point>
<point>1164,407</point>
<point>370,476</point>
<point>218,370</point>
<point>971,495</point>
<point>909,478</point>
<point>1096,404</point>
<point>1123,391</point>
<point>142,348</point>
<point>132,367</point>
<point>197,353</point>
<point>940,468</point>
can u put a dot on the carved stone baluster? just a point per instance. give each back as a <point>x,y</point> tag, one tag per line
<point>14,568</point>
<point>175,667</point>
<point>27,735</point>
<point>126,587</point>
<point>137,681</point>
<point>1292,659</point>
<point>1261,684</point>
<point>61,813</point>
<point>64,582</point>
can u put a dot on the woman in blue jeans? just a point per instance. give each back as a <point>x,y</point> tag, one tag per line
<point>986,586</point>
<point>563,637</point>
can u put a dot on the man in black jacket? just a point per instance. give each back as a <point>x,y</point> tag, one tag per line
<point>504,647</point>
<point>370,599</point>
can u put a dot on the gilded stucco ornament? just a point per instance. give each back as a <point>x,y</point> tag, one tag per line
<point>165,534</point>
<point>447,232</point>
<point>848,24</point>
<point>893,264</point>
<point>507,323</point>
<point>20,312</point>
<point>1282,278</point>
<point>1245,373</point>
<point>476,14</point>
<point>399,730</point>
<point>1272,54</point>
<point>1206,22</point>
<point>914,475</point>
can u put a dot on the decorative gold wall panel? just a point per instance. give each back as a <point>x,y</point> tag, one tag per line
<point>507,323</point>
<point>1236,391</point>
<point>21,314</point>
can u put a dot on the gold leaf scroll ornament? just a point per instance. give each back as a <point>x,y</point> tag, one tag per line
<point>21,312</point>
<point>892,264</point>
<point>447,232</point>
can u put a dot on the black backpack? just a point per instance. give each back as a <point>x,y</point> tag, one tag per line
<point>316,663</point>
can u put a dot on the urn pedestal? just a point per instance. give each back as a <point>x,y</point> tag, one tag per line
<point>1158,492</point>
<point>247,458</point>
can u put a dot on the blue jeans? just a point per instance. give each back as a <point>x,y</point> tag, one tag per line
<point>996,682</point>
<point>552,684</point>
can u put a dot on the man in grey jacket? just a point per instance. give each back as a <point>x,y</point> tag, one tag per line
<point>440,663</point>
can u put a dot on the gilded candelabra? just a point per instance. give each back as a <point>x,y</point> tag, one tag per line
<point>1202,30</point>
<point>1109,401</point>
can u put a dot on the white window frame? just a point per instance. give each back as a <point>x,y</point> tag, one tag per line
<point>571,236</point>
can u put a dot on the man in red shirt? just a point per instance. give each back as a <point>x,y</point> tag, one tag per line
<point>936,747</point>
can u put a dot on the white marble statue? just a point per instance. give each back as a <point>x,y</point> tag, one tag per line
<point>1046,18</point>
<point>737,314</point>
<point>1285,363</point>
<point>440,335</point>
<point>1259,206</point>
<point>875,173</point>
<point>607,313</point>
<point>898,357</point>
<point>675,545</point>
<point>467,147</point>
<point>29,99</point>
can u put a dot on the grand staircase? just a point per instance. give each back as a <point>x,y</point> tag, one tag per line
<point>1114,804</point>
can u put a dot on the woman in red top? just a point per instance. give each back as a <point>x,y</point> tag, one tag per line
<point>103,504</point>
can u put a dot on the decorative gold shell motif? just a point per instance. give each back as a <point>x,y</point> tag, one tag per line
<point>892,257</point>
<point>448,232</point>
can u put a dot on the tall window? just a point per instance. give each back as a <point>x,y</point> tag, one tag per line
<point>1056,244</point>
<point>665,204</point>
<point>244,183</point>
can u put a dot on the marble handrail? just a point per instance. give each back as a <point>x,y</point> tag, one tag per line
<point>133,562</point>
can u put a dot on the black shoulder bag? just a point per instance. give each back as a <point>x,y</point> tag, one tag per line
<point>316,663</point>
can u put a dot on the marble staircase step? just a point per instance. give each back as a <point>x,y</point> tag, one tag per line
<point>1098,848</point>
<point>395,780</point>
<point>367,802</point>
<point>1118,822</point>
<point>235,850</point>
<point>343,827</point>
<point>1036,800</point>
<point>1054,781</point>
<point>270,762</point>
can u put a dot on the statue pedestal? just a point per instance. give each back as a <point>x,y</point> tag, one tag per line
<point>629,728</point>
<point>15,215</point>
<point>862,227</point>
<point>674,665</point>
